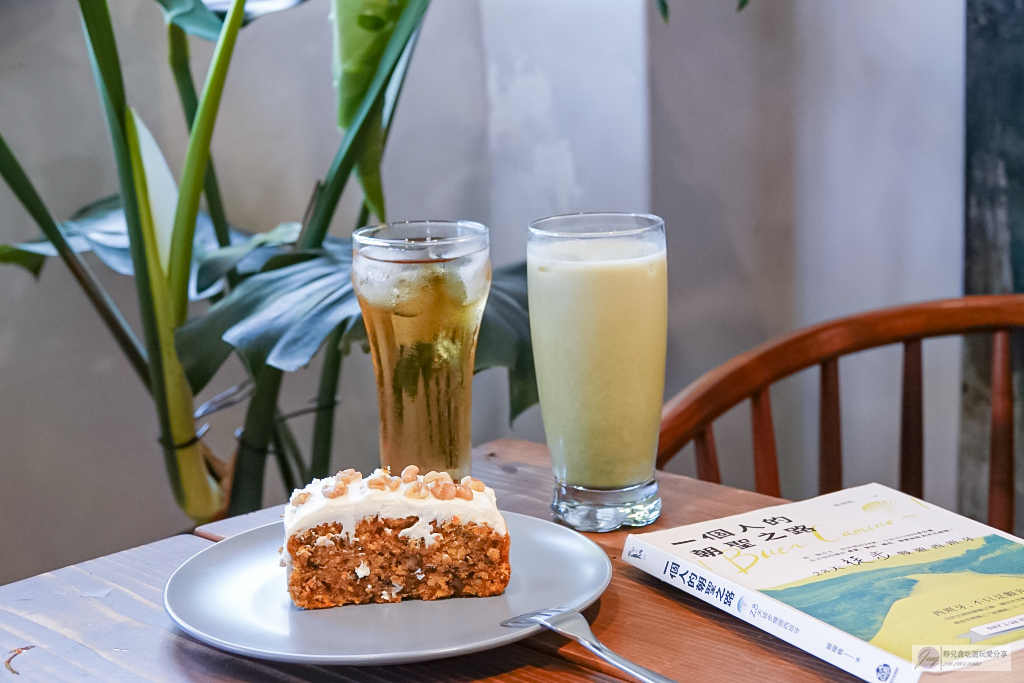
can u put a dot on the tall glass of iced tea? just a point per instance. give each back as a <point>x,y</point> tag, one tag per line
<point>422,286</point>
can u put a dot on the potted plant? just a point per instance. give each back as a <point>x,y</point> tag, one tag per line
<point>277,297</point>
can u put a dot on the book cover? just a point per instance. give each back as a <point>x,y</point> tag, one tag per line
<point>868,578</point>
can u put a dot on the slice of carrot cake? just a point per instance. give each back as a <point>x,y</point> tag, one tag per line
<point>385,538</point>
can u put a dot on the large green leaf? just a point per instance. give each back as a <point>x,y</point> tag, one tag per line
<point>200,343</point>
<point>161,190</point>
<point>217,263</point>
<point>262,251</point>
<point>194,17</point>
<point>100,227</point>
<point>505,337</point>
<point>28,260</point>
<point>362,29</point>
<point>204,496</point>
<point>253,8</point>
<point>204,19</point>
<point>281,318</point>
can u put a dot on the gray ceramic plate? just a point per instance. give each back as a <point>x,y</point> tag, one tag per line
<point>232,595</point>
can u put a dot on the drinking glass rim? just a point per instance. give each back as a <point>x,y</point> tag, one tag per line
<point>656,222</point>
<point>362,235</point>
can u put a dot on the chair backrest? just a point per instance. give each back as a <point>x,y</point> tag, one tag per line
<point>689,415</point>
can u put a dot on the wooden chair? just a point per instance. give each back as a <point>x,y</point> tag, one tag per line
<point>689,415</point>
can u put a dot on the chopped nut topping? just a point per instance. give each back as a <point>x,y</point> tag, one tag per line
<point>474,484</point>
<point>464,492</point>
<point>409,474</point>
<point>394,483</point>
<point>443,490</point>
<point>338,488</point>
<point>298,498</point>
<point>348,476</point>
<point>432,476</point>
<point>378,483</point>
<point>416,490</point>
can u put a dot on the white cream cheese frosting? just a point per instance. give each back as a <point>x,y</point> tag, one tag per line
<point>311,507</point>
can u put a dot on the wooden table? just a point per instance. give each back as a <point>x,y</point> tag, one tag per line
<point>103,620</point>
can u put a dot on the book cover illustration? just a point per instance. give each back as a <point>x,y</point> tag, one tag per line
<point>875,563</point>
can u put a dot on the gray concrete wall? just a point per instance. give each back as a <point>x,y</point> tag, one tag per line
<point>807,157</point>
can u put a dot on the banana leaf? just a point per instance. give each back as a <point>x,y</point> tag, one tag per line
<point>281,317</point>
<point>100,227</point>
<point>156,194</point>
<point>505,337</point>
<point>262,251</point>
<point>204,19</point>
<point>362,29</point>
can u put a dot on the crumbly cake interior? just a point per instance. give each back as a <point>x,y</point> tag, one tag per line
<point>448,546</point>
<point>382,567</point>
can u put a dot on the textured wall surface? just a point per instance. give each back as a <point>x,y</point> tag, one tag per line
<point>879,221</point>
<point>807,157</point>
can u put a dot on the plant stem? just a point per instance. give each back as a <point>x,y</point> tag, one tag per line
<point>287,476</point>
<point>109,82</point>
<point>178,57</point>
<point>364,215</point>
<point>283,433</point>
<point>196,158</point>
<point>352,143</point>
<point>326,402</point>
<point>251,460</point>
<point>202,494</point>
<point>19,182</point>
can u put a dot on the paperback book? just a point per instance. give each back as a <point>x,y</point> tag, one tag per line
<point>876,582</point>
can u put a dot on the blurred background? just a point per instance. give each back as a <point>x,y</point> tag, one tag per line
<point>807,157</point>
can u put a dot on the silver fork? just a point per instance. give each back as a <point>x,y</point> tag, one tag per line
<point>572,624</point>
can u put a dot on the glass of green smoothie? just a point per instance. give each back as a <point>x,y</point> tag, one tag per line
<point>598,295</point>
